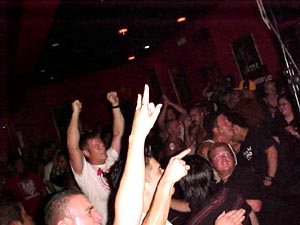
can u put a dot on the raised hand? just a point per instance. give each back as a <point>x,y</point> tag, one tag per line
<point>176,168</point>
<point>76,106</point>
<point>166,99</point>
<point>112,97</point>
<point>145,115</point>
<point>233,217</point>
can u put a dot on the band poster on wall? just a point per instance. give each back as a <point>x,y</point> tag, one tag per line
<point>180,84</point>
<point>247,58</point>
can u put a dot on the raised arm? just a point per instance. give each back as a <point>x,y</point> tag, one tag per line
<point>118,121</point>
<point>272,159</point>
<point>177,107</point>
<point>73,137</point>
<point>132,183</point>
<point>160,206</point>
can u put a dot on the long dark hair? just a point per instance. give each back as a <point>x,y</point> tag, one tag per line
<point>198,185</point>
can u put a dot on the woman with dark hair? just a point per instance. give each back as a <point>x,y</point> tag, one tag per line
<point>205,201</point>
<point>286,130</point>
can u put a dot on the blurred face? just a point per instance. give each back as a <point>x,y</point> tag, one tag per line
<point>153,174</point>
<point>237,134</point>
<point>82,212</point>
<point>222,161</point>
<point>224,126</point>
<point>46,156</point>
<point>285,107</point>
<point>270,88</point>
<point>170,114</point>
<point>196,117</point>
<point>96,149</point>
<point>62,163</point>
<point>174,128</point>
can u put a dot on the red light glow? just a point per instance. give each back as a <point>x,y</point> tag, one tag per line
<point>181,19</point>
<point>123,31</point>
<point>131,57</point>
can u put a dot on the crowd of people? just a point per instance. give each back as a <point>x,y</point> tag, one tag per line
<point>231,159</point>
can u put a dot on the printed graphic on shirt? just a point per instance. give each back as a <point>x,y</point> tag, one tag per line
<point>248,153</point>
<point>28,189</point>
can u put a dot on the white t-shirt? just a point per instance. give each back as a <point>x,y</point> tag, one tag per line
<point>47,172</point>
<point>95,186</point>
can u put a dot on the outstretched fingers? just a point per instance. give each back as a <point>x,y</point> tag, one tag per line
<point>183,153</point>
<point>145,99</point>
<point>139,102</point>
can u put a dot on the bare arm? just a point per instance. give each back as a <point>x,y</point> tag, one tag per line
<point>253,218</point>
<point>118,121</point>
<point>271,153</point>
<point>131,188</point>
<point>255,204</point>
<point>73,137</point>
<point>180,205</point>
<point>162,116</point>
<point>160,206</point>
<point>177,107</point>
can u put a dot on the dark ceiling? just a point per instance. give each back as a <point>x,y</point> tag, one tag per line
<point>84,35</point>
<point>53,40</point>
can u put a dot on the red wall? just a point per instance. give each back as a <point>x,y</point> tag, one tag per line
<point>226,23</point>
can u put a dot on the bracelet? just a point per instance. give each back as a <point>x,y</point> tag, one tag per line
<point>115,106</point>
<point>268,178</point>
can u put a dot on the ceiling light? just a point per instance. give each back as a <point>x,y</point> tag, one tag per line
<point>55,44</point>
<point>181,19</point>
<point>43,70</point>
<point>123,31</point>
<point>131,57</point>
<point>146,47</point>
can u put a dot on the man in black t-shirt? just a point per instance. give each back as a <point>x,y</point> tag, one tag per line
<point>256,150</point>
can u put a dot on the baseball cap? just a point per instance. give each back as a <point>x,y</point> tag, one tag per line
<point>246,85</point>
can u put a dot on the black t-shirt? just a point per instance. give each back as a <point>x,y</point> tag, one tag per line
<point>245,181</point>
<point>252,150</point>
<point>289,147</point>
<point>225,200</point>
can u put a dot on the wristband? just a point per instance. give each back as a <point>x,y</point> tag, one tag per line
<point>115,106</point>
<point>268,178</point>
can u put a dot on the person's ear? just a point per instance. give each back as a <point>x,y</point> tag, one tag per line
<point>86,153</point>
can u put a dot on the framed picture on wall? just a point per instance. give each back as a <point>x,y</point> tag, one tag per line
<point>210,74</point>
<point>180,84</point>
<point>247,57</point>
